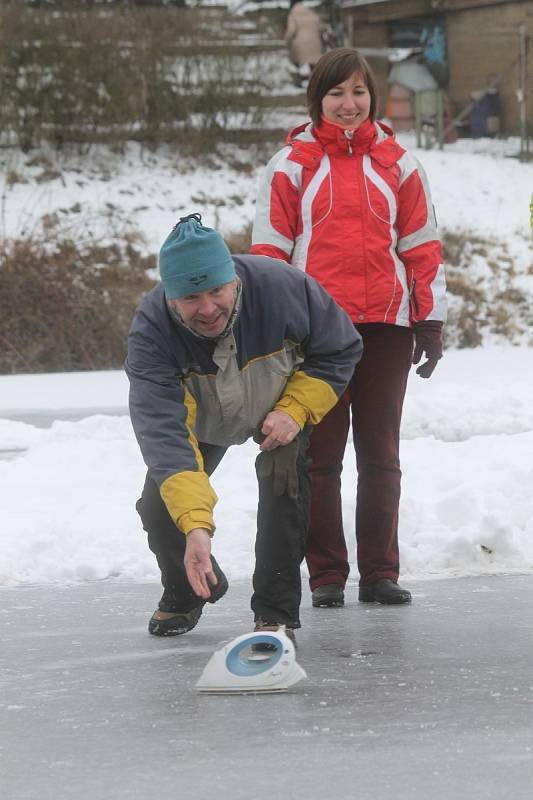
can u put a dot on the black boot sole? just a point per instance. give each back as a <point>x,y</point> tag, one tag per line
<point>328,603</point>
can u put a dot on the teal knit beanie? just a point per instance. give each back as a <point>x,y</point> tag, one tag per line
<point>194,258</point>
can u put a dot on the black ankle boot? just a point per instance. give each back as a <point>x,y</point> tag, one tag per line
<point>329,595</point>
<point>176,624</point>
<point>385,591</point>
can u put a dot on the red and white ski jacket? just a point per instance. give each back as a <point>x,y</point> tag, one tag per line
<point>356,214</point>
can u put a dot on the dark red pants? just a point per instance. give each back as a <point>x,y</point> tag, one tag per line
<point>375,399</point>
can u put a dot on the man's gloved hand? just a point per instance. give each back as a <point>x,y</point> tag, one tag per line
<point>281,464</point>
<point>428,340</point>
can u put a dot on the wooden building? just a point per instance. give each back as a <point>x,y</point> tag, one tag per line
<point>468,45</point>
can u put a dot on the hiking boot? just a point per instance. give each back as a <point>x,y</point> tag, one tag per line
<point>174,623</point>
<point>329,595</point>
<point>169,623</point>
<point>265,627</point>
<point>385,591</point>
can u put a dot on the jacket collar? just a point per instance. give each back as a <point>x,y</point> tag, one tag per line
<point>335,139</point>
<point>310,142</point>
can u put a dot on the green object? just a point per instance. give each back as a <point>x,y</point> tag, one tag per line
<point>193,259</point>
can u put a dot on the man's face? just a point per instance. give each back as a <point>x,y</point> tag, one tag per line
<point>207,312</point>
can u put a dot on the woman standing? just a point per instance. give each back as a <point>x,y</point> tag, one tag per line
<point>346,203</point>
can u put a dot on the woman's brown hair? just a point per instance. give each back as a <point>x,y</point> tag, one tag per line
<point>333,68</point>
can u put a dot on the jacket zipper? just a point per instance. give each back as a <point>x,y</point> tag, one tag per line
<point>349,135</point>
<point>414,301</point>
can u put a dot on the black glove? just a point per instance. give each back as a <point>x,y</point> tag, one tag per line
<point>281,463</point>
<point>428,340</point>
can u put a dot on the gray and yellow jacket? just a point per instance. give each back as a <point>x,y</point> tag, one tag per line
<point>291,347</point>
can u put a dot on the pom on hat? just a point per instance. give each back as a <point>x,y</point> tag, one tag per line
<point>194,258</point>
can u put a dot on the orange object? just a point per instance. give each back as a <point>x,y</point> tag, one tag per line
<point>399,108</point>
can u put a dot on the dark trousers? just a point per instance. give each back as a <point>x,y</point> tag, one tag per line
<point>375,398</point>
<point>282,524</point>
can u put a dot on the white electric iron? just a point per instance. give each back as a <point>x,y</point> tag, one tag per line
<point>237,668</point>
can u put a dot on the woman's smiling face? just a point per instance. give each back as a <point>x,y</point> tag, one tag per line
<point>347,104</point>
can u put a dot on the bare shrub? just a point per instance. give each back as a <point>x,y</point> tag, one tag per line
<point>486,293</point>
<point>79,74</point>
<point>460,245</point>
<point>463,286</point>
<point>66,306</point>
<point>463,328</point>
<point>91,73</point>
<point>241,241</point>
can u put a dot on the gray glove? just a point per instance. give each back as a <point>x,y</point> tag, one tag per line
<point>281,464</point>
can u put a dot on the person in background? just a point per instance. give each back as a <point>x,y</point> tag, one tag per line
<point>223,349</point>
<point>303,38</point>
<point>345,203</point>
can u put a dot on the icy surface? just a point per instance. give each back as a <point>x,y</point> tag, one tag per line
<point>429,701</point>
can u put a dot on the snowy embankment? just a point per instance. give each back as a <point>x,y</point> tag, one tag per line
<point>68,491</point>
<point>480,193</point>
<point>477,188</point>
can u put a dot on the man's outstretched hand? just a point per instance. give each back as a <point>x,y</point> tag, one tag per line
<point>198,563</point>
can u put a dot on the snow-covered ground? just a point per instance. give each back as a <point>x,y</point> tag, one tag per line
<point>67,492</point>
<point>477,187</point>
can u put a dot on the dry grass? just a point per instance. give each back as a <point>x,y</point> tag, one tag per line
<point>484,300</point>
<point>67,306</point>
<point>241,241</point>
